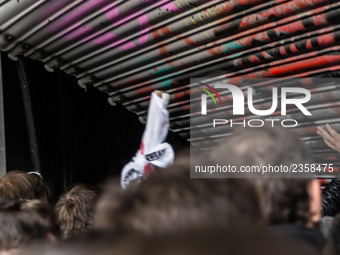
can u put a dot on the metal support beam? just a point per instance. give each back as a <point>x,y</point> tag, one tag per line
<point>29,115</point>
<point>2,128</point>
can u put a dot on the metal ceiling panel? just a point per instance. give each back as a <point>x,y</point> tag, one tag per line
<point>130,48</point>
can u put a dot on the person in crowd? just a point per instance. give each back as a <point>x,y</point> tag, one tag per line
<point>208,241</point>
<point>23,185</point>
<point>75,209</point>
<point>291,206</point>
<point>325,225</point>
<point>331,193</point>
<point>170,202</point>
<point>293,209</point>
<point>333,237</point>
<point>23,223</point>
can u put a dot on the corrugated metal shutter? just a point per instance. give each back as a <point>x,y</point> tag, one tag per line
<point>130,48</point>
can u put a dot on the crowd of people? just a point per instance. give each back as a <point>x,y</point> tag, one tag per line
<point>170,213</point>
<point>167,212</point>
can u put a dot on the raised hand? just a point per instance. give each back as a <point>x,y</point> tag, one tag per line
<point>330,137</point>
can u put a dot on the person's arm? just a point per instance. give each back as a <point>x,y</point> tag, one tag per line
<point>331,193</point>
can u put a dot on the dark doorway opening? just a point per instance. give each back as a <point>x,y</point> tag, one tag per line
<point>81,137</point>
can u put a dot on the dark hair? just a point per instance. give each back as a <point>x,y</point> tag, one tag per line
<point>285,201</point>
<point>75,209</point>
<point>208,241</point>
<point>170,201</point>
<point>23,222</point>
<point>21,185</point>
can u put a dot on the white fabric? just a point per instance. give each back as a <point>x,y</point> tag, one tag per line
<point>162,155</point>
<point>152,151</point>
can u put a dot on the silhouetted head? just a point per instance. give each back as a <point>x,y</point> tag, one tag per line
<point>75,209</point>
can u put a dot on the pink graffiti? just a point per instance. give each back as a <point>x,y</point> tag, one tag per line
<point>142,21</point>
<point>74,15</point>
<point>169,6</point>
<point>91,34</point>
<point>54,8</point>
